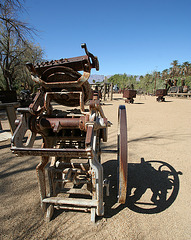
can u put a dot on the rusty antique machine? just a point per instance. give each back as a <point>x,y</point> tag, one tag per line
<point>71,137</point>
<point>129,94</point>
<point>160,93</point>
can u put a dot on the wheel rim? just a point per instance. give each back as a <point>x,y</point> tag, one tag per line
<point>122,154</point>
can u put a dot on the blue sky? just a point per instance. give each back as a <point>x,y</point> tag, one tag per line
<point>128,36</point>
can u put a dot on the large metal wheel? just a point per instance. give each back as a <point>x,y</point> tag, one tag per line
<point>122,154</point>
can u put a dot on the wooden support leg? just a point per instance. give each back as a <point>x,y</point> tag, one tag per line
<point>40,169</point>
<point>11,114</point>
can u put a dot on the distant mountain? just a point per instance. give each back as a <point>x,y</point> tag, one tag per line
<point>100,78</point>
<point>96,77</point>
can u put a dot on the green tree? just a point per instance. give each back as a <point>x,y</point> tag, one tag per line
<point>10,10</point>
<point>15,49</point>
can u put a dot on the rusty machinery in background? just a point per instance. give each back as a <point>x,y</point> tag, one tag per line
<point>160,93</point>
<point>71,137</point>
<point>129,94</point>
<point>103,90</point>
<point>171,87</point>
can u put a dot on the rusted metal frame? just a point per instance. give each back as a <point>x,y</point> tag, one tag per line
<point>91,141</point>
<point>100,122</point>
<point>122,154</point>
<point>11,115</point>
<point>95,104</point>
<point>98,145</point>
<point>76,63</point>
<point>38,80</point>
<point>40,170</point>
<point>65,170</point>
<point>68,152</point>
<point>85,76</point>
<point>20,132</point>
<point>96,165</point>
<point>58,124</point>
<point>85,209</point>
<point>83,166</point>
<point>68,175</point>
<point>82,103</point>
<point>67,96</point>
<point>62,96</point>
<point>71,201</point>
<point>62,71</point>
<point>97,170</point>
<point>74,202</point>
<point>52,184</point>
<point>78,123</point>
<point>80,63</point>
<point>37,102</point>
<point>92,60</point>
<point>20,149</point>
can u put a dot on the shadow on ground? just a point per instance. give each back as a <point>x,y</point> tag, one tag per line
<point>138,103</point>
<point>152,187</point>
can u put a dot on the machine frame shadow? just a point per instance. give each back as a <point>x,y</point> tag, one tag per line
<point>159,177</point>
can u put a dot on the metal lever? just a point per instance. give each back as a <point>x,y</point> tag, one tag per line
<point>95,62</point>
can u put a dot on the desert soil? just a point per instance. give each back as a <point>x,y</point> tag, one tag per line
<point>157,132</point>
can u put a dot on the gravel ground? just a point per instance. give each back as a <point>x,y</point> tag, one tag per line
<point>159,183</point>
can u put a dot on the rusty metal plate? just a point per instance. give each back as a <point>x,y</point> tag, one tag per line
<point>129,93</point>
<point>122,154</point>
<point>161,92</point>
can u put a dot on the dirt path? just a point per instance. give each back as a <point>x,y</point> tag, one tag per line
<point>159,132</point>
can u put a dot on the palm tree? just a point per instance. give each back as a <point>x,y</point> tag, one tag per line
<point>174,63</point>
<point>185,68</point>
<point>174,71</point>
<point>165,74</point>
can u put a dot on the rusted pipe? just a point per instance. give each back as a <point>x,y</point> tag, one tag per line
<point>62,123</point>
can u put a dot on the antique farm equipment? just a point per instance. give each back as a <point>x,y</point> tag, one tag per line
<point>160,93</point>
<point>129,94</point>
<point>71,137</point>
<point>104,90</point>
<point>171,86</point>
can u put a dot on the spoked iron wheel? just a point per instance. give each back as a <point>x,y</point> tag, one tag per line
<point>122,154</point>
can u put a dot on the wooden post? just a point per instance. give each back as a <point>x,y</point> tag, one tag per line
<point>108,90</point>
<point>11,114</point>
<point>105,88</point>
<point>104,91</point>
<point>111,97</point>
